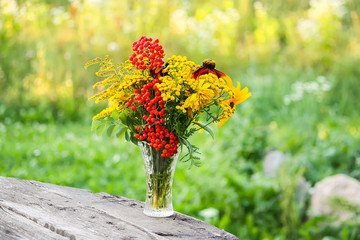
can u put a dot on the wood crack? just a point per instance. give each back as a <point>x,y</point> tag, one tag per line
<point>39,222</point>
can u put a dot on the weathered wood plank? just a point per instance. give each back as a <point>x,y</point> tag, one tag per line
<point>35,210</point>
<point>15,227</point>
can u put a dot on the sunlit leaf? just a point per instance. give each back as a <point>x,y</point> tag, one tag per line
<point>207,128</point>
<point>95,124</point>
<point>121,131</point>
<point>99,131</point>
<point>123,118</point>
<point>115,115</point>
<point>110,130</point>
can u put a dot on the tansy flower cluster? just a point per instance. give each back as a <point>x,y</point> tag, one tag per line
<point>163,101</point>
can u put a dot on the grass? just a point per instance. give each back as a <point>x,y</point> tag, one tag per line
<point>69,155</point>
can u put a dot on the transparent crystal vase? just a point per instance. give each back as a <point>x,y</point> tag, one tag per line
<point>159,178</point>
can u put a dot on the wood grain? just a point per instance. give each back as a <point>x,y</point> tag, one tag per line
<point>35,210</point>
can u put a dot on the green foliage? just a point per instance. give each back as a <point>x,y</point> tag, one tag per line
<point>206,127</point>
<point>192,153</point>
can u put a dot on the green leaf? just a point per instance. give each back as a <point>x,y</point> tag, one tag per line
<point>123,118</point>
<point>115,115</point>
<point>187,144</point>
<point>133,139</point>
<point>99,131</point>
<point>95,124</point>
<point>127,136</point>
<point>132,128</point>
<point>195,161</point>
<point>121,132</point>
<point>110,130</point>
<point>207,128</point>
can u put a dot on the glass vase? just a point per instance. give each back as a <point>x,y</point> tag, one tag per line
<point>159,178</point>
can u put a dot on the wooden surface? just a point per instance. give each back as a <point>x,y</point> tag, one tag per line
<point>35,210</point>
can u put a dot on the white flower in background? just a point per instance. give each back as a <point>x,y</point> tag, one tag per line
<point>197,31</point>
<point>299,89</point>
<point>116,158</point>
<point>191,24</point>
<point>209,213</point>
<point>9,7</point>
<point>325,86</point>
<point>221,16</point>
<point>322,14</point>
<point>37,152</point>
<point>311,87</point>
<point>308,29</point>
<point>56,11</point>
<point>260,11</point>
<point>321,8</point>
<point>59,15</point>
<point>178,21</point>
<point>113,47</point>
<point>233,14</point>
<point>204,34</point>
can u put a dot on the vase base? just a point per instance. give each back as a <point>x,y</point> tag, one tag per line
<point>158,213</point>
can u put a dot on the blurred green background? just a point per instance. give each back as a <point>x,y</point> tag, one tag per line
<point>300,60</point>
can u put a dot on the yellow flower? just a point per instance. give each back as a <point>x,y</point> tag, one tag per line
<point>179,68</point>
<point>169,88</point>
<point>239,97</point>
<point>227,111</point>
<point>201,97</point>
<point>123,80</point>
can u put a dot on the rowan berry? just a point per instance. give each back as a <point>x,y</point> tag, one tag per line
<point>146,48</point>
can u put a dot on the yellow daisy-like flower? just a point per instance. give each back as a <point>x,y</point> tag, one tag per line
<point>201,97</point>
<point>239,97</point>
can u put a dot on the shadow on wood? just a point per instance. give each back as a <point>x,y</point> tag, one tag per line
<point>35,210</point>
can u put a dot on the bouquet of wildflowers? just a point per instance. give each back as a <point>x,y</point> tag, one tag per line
<point>163,101</point>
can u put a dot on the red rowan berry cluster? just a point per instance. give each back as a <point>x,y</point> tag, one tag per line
<point>154,132</point>
<point>147,54</point>
<point>160,138</point>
